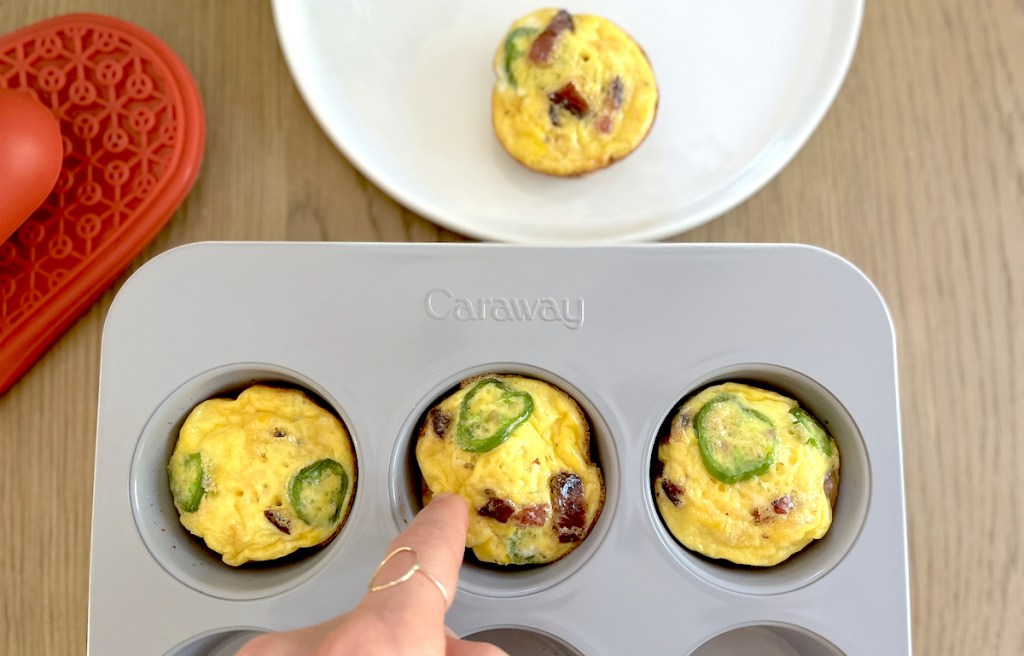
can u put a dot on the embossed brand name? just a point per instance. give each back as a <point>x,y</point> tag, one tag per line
<point>442,303</point>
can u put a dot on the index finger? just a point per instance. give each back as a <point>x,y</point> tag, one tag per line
<point>437,539</point>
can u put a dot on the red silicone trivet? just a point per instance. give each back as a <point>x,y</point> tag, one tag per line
<point>133,129</point>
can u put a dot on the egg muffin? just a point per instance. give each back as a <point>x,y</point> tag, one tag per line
<point>746,475</point>
<point>517,450</point>
<point>263,475</point>
<point>573,93</point>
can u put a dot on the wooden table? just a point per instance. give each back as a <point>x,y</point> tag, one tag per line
<point>916,175</point>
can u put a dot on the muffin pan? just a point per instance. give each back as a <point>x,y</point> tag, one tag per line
<point>378,332</point>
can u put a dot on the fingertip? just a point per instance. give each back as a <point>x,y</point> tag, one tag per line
<point>448,507</point>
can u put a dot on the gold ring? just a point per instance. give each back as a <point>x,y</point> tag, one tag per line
<point>415,567</point>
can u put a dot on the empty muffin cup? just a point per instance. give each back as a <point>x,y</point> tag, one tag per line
<point>521,641</point>
<point>768,640</point>
<point>172,477</point>
<point>224,642</point>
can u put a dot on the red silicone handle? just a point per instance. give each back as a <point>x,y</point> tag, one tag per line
<point>133,130</point>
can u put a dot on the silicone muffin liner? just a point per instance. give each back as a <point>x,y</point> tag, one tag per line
<point>133,130</point>
<point>379,331</point>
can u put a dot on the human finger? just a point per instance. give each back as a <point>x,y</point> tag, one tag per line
<point>434,543</point>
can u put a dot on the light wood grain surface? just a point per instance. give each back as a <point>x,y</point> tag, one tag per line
<point>916,175</point>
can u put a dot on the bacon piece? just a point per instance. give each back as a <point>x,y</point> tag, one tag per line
<point>535,515</point>
<point>673,491</point>
<point>783,505</point>
<point>499,509</point>
<point>615,93</point>
<point>612,103</point>
<point>544,44</point>
<point>279,521</point>
<point>439,421</point>
<point>570,99</point>
<point>570,507</point>
<point>425,492</point>
<point>831,487</point>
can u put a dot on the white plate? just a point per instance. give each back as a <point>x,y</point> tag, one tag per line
<point>404,90</point>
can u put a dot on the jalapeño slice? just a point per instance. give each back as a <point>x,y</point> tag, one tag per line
<point>489,413</point>
<point>516,553</point>
<point>813,430</point>
<point>187,482</point>
<point>317,492</point>
<point>735,442</point>
<point>513,53</point>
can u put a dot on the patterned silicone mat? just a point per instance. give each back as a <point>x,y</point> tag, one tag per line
<point>133,131</point>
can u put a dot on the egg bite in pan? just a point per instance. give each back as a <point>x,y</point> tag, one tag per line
<point>517,450</point>
<point>574,93</point>
<point>263,475</point>
<point>746,475</point>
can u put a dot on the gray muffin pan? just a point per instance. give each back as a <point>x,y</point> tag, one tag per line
<point>378,332</point>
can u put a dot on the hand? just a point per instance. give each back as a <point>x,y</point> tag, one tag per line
<point>405,619</point>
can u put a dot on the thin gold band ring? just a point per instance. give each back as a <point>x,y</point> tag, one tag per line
<point>415,567</point>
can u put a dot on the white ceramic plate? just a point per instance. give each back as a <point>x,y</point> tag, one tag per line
<point>404,90</point>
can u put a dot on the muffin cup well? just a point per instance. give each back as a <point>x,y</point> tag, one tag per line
<point>767,640</point>
<point>820,556</point>
<point>486,579</point>
<point>225,642</point>
<point>523,641</point>
<point>183,555</point>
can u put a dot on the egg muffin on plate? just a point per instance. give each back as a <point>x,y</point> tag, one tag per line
<point>573,93</point>
<point>263,475</point>
<point>517,450</point>
<point>746,475</point>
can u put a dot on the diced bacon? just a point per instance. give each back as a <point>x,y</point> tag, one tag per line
<point>570,507</point>
<point>783,505</point>
<point>831,486</point>
<point>439,421</point>
<point>535,515</point>
<point>570,99</point>
<point>615,93</point>
<point>673,491</point>
<point>279,521</point>
<point>544,44</point>
<point>498,509</point>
